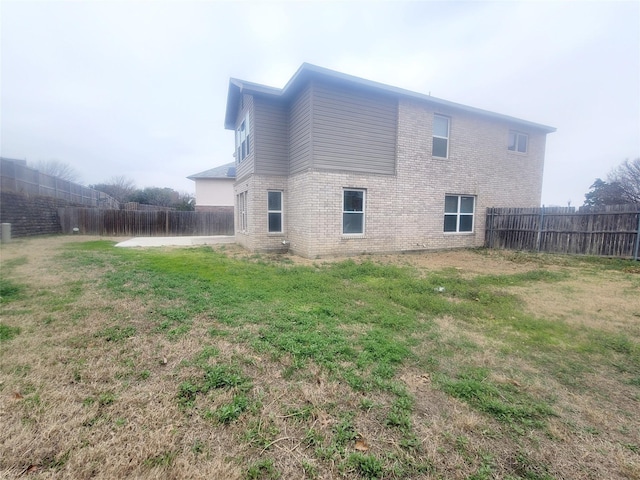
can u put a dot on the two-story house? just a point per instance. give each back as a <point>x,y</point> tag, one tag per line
<point>333,164</point>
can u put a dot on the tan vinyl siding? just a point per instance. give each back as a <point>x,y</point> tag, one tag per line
<point>300,132</point>
<point>271,137</point>
<point>353,131</point>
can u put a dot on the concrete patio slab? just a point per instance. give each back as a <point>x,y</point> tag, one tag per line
<point>176,241</point>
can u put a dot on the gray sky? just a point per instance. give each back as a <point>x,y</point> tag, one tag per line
<point>139,88</point>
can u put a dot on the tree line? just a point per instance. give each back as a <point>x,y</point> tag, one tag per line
<point>621,187</point>
<point>124,190</point>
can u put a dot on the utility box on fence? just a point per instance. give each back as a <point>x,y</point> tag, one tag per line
<point>6,233</point>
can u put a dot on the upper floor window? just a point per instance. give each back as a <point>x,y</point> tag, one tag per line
<point>274,211</point>
<point>458,213</point>
<point>242,139</point>
<point>518,142</point>
<point>440,136</point>
<point>353,212</point>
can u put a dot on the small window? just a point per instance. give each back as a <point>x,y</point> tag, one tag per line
<point>274,212</point>
<point>353,212</point>
<point>242,140</point>
<point>458,213</point>
<point>518,142</point>
<point>440,136</point>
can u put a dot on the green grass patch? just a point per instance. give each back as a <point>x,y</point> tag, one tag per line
<point>7,332</point>
<point>9,290</point>
<point>219,376</point>
<point>503,401</point>
<point>116,333</point>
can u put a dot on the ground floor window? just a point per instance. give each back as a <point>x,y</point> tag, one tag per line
<point>458,213</point>
<point>353,203</point>
<point>274,211</point>
<point>242,211</point>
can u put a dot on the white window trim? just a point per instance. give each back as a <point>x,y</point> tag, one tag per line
<point>447,138</point>
<point>242,212</point>
<point>247,135</point>
<point>281,212</point>
<point>363,213</point>
<point>459,214</point>
<point>518,136</point>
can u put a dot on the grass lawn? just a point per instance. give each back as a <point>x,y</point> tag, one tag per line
<point>215,363</point>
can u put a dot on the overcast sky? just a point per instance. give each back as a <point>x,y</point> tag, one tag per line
<point>139,88</point>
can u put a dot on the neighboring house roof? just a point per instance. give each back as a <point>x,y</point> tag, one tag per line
<point>223,171</point>
<point>308,72</point>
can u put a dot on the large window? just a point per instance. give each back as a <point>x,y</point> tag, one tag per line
<point>353,212</point>
<point>242,212</point>
<point>274,212</point>
<point>518,142</point>
<point>440,136</point>
<point>458,213</point>
<point>243,140</point>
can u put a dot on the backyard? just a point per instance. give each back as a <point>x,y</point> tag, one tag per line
<point>210,362</point>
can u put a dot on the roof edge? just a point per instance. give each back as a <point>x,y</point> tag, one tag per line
<point>308,70</point>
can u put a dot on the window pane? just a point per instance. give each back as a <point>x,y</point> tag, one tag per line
<point>353,201</point>
<point>522,143</point>
<point>275,201</point>
<point>275,222</point>
<point>451,204</point>
<point>352,223</point>
<point>512,141</point>
<point>440,147</point>
<point>441,126</point>
<point>450,223</point>
<point>466,223</point>
<point>466,204</point>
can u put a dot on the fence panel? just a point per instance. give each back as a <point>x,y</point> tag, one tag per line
<point>611,232</point>
<point>143,223</point>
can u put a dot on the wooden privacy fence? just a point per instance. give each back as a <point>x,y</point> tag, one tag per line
<point>93,221</point>
<point>611,231</point>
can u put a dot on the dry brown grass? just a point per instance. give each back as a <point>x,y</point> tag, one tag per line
<point>73,405</point>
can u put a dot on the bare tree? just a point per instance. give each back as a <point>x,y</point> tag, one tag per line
<point>627,177</point>
<point>119,187</point>
<point>57,168</point>
<point>622,186</point>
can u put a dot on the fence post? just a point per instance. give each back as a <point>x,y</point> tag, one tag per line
<point>490,227</point>
<point>637,247</point>
<point>539,240</point>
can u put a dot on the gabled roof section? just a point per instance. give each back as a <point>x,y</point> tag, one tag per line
<point>307,72</point>
<point>223,171</point>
